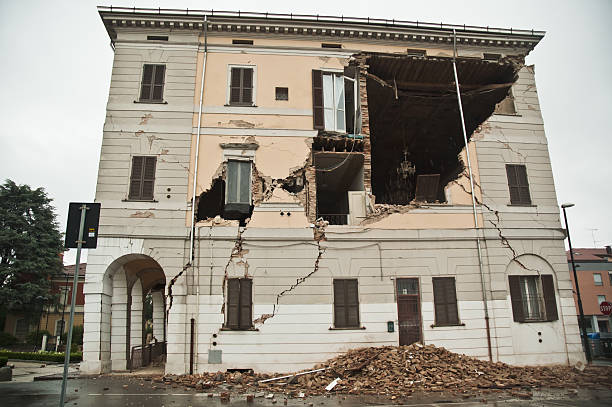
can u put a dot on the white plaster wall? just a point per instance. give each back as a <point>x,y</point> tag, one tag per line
<point>158,316</point>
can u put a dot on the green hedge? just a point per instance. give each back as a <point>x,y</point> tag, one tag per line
<point>3,361</point>
<point>42,356</point>
<point>7,339</point>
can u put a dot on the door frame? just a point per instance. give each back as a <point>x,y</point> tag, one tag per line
<point>420,303</point>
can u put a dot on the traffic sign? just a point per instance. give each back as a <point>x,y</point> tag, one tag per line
<point>90,232</point>
<point>605,307</point>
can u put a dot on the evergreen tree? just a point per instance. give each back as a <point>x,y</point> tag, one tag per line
<point>30,247</point>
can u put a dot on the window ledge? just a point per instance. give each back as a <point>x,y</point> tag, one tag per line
<point>239,105</point>
<point>152,102</point>
<point>442,326</point>
<point>349,328</point>
<point>226,329</point>
<point>532,321</point>
<point>140,200</point>
<point>524,205</point>
<point>508,114</point>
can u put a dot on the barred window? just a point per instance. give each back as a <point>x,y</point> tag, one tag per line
<point>533,298</point>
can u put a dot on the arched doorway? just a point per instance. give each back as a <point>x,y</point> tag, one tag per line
<point>120,325</point>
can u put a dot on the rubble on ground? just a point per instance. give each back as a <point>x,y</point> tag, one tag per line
<point>399,371</point>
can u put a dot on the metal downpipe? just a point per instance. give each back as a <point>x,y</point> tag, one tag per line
<point>476,226</point>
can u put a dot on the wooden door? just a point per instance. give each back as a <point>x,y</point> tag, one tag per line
<point>408,310</point>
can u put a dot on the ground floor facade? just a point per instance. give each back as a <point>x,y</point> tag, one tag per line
<point>276,300</point>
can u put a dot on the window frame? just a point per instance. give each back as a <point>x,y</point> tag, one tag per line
<point>320,109</point>
<point>444,302</point>
<point>63,328</point>
<point>600,282</point>
<point>227,181</point>
<point>228,101</point>
<point>346,304</point>
<point>276,93</point>
<point>545,298</point>
<point>227,325</point>
<point>142,180</point>
<point>152,84</point>
<point>519,202</point>
<point>600,298</point>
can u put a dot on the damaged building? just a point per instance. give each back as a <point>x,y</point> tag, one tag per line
<point>290,187</point>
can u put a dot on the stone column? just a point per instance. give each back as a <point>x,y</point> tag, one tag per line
<point>119,318</point>
<point>159,315</point>
<point>136,315</point>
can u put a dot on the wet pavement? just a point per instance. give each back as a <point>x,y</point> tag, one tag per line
<point>115,391</point>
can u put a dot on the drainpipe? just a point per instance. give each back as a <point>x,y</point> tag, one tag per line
<point>476,227</point>
<point>197,146</point>
<point>193,197</point>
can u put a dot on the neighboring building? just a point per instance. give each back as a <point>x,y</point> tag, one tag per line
<point>594,270</point>
<point>332,194</point>
<point>53,319</point>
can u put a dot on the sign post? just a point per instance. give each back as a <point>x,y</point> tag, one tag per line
<point>90,242</point>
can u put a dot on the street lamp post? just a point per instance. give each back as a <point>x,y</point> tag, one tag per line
<point>587,348</point>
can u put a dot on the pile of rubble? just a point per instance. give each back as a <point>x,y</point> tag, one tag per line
<point>399,371</point>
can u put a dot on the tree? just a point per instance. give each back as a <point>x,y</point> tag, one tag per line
<point>30,247</point>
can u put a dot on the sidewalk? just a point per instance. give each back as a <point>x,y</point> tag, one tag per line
<point>30,371</point>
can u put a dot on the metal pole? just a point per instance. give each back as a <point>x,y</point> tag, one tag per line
<point>75,282</point>
<point>587,348</point>
<point>476,227</point>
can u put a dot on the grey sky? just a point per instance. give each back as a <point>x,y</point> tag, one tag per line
<point>57,63</point>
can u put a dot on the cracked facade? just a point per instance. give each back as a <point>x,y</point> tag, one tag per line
<point>329,192</point>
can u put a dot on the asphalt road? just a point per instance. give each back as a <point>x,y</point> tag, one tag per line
<point>116,391</point>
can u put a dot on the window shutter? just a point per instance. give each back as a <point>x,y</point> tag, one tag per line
<point>147,81</point>
<point>246,286</point>
<point>352,303</point>
<point>247,86</point>
<point>158,84</point>
<point>516,298</point>
<point>317,99</point>
<point>148,179</point>
<point>339,304</point>
<point>136,178</point>
<point>235,82</point>
<point>233,302</point>
<point>523,182</point>
<point>550,301</point>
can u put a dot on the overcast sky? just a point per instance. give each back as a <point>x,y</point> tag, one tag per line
<point>57,65</point>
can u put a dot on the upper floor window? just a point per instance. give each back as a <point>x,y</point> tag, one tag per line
<point>242,86</point>
<point>333,101</point>
<point>238,189</point>
<point>518,184</point>
<point>152,86</point>
<point>533,298</point>
<point>142,179</point>
<point>597,279</point>
<point>600,299</point>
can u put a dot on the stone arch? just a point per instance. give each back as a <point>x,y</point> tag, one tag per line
<point>126,281</point>
<point>529,263</point>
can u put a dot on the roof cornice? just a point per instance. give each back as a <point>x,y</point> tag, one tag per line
<point>331,27</point>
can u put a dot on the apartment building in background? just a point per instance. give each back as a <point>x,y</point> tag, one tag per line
<point>594,271</point>
<point>290,187</point>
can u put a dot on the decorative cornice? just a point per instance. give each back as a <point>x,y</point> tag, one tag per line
<point>327,27</point>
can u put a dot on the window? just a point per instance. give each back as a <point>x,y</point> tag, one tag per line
<point>157,38</point>
<point>333,101</point>
<point>59,327</point>
<point>329,45</point>
<point>239,303</point>
<point>533,298</point>
<point>282,93</point>
<point>22,326</point>
<point>346,304</point>
<point>600,299</point>
<point>610,276</point>
<point>445,301</point>
<point>238,189</point>
<point>518,184</point>
<point>597,279</point>
<point>152,86</point>
<point>241,86</point>
<point>142,179</point>
<point>242,42</point>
